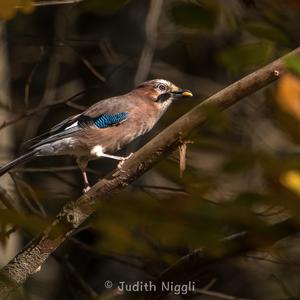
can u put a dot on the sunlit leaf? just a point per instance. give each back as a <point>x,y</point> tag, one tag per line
<point>288,94</point>
<point>245,56</point>
<point>8,8</point>
<point>267,32</point>
<point>291,180</point>
<point>30,223</point>
<point>293,64</point>
<point>194,16</point>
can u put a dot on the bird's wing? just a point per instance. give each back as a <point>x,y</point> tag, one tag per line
<point>55,129</point>
<point>102,115</point>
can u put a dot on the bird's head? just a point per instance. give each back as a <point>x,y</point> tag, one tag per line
<point>163,91</point>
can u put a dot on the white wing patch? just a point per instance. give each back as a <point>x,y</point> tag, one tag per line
<point>71,126</point>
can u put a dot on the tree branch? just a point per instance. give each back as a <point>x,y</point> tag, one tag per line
<point>77,211</point>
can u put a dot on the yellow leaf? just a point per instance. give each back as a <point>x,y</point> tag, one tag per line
<point>27,6</point>
<point>288,94</point>
<point>8,8</point>
<point>291,180</point>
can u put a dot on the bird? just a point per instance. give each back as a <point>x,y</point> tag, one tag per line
<point>105,127</point>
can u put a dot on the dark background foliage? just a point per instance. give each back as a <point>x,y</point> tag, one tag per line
<point>242,166</point>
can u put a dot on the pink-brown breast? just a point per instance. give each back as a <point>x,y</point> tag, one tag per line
<point>142,116</point>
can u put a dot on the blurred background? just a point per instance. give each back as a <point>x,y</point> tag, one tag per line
<point>243,166</point>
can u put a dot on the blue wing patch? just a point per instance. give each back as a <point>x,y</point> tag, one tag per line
<point>105,121</point>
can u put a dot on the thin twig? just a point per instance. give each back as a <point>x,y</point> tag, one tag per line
<point>284,288</point>
<point>52,75</point>
<point>7,200</point>
<point>76,106</point>
<point>86,288</point>
<point>210,284</point>
<point>54,2</point>
<point>63,179</point>
<point>272,212</point>
<point>30,77</point>
<point>269,260</point>
<point>218,295</point>
<point>129,261</point>
<point>47,169</point>
<point>151,37</point>
<point>54,169</point>
<point>164,188</point>
<point>92,69</point>
<point>182,148</point>
<point>39,211</point>
<point>111,56</point>
<point>28,113</point>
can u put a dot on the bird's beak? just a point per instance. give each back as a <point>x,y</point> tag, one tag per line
<point>187,93</point>
<point>182,93</point>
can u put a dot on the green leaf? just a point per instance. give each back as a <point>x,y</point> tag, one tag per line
<point>246,56</point>
<point>293,64</point>
<point>240,160</point>
<point>267,32</point>
<point>31,223</point>
<point>194,16</point>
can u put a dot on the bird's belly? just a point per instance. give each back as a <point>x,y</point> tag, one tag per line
<point>111,143</point>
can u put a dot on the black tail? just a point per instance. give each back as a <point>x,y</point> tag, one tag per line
<point>18,161</point>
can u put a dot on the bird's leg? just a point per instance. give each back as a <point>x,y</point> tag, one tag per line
<point>121,158</point>
<point>85,182</point>
<point>82,164</point>
<point>98,151</point>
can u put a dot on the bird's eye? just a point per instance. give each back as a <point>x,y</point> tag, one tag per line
<point>162,87</point>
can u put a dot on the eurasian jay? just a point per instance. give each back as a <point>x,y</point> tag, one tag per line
<point>106,126</point>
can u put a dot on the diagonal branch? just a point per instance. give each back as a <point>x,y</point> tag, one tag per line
<point>72,215</point>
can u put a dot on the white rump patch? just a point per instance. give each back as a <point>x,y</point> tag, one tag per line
<point>97,151</point>
<point>60,147</point>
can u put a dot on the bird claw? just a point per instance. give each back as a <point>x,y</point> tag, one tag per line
<point>38,269</point>
<point>120,164</point>
<point>86,189</point>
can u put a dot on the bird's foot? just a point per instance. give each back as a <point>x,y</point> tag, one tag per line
<point>120,164</point>
<point>86,189</point>
<point>38,269</point>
